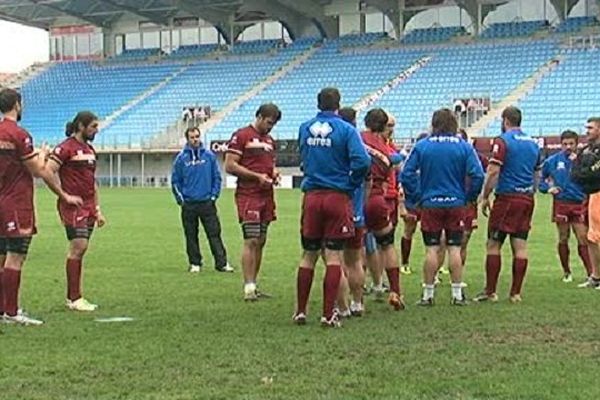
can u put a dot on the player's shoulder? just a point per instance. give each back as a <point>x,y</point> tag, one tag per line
<point>243,131</point>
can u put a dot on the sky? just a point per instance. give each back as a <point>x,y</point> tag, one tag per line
<point>21,46</point>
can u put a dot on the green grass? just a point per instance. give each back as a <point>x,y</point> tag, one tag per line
<point>194,338</point>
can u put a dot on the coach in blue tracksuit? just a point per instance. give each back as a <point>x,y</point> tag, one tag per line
<point>196,184</point>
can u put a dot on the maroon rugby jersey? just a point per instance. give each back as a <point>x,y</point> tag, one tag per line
<point>381,165</point>
<point>257,154</point>
<point>16,182</point>
<point>77,168</point>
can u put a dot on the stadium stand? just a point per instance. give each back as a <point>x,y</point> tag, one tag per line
<point>58,93</point>
<point>432,35</point>
<point>513,29</point>
<point>256,46</point>
<point>575,24</point>
<point>460,72</point>
<point>193,51</point>
<point>210,82</point>
<point>565,98</point>
<point>356,74</point>
<point>137,54</point>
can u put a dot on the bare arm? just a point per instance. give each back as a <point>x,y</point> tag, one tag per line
<point>100,220</point>
<point>47,171</point>
<point>233,167</point>
<point>491,180</point>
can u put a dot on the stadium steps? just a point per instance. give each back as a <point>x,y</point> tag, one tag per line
<point>109,119</point>
<point>513,98</point>
<point>27,74</point>
<point>171,135</point>
<point>373,97</point>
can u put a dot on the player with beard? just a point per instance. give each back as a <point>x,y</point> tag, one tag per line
<point>74,163</point>
<point>251,157</point>
<point>19,163</point>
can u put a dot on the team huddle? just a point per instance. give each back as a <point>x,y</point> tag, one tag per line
<point>357,186</point>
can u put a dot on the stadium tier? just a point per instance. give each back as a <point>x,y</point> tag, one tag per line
<point>480,69</point>
<point>356,74</point>
<point>432,35</point>
<point>513,29</point>
<point>57,94</point>
<point>575,24</point>
<point>462,72</point>
<point>208,82</point>
<point>194,50</point>
<point>565,98</point>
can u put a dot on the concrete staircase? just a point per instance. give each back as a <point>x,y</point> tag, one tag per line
<point>111,118</point>
<point>172,135</point>
<point>371,98</point>
<point>27,74</point>
<point>513,98</point>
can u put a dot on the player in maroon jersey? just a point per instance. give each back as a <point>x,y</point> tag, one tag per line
<point>378,214</point>
<point>251,157</point>
<point>19,163</point>
<point>74,161</point>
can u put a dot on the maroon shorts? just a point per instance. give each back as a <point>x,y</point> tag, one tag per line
<point>77,217</point>
<point>569,212</point>
<point>15,223</point>
<point>356,242</point>
<point>435,220</point>
<point>412,215</point>
<point>392,204</point>
<point>378,214</point>
<point>471,217</point>
<point>511,213</point>
<point>255,208</point>
<point>327,215</point>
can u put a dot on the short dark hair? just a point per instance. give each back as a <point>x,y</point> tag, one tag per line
<point>84,118</point>
<point>444,121</point>
<point>512,115</point>
<point>463,134</point>
<point>569,134</point>
<point>594,120</point>
<point>376,120</point>
<point>269,110</point>
<point>348,114</point>
<point>329,99</point>
<point>9,99</point>
<point>191,129</point>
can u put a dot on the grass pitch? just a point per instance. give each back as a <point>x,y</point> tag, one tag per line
<point>193,337</point>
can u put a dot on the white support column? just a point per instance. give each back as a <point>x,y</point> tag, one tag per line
<point>143,165</point>
<point>110,169</point>
<point>119,163</point>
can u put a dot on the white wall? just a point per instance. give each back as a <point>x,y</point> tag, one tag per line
<point>527,10</point>
<point>441,16</point>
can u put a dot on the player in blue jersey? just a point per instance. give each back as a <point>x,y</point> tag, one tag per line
<point>443,196</point>
<point>512,171</point>
<point>335,163</point>
<point>569,208</point>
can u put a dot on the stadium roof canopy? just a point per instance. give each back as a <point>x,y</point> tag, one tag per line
<point>223,14</point>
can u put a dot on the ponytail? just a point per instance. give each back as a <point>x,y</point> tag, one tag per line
<point>69,129</point>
